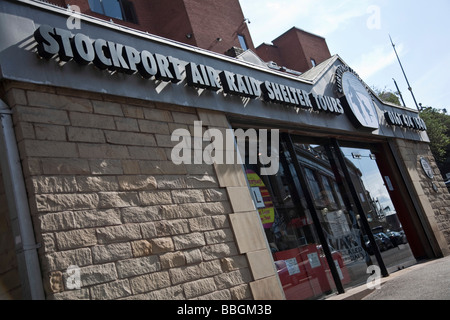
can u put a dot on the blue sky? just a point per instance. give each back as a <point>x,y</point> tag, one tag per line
<point>371,176</point>
<point>358,31</point>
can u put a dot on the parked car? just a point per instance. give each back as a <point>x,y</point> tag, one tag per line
<point>382,240</point>
<point>396,238</point>
<point>370,249</point>
<point>386,241</point>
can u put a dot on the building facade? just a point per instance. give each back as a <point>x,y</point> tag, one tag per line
<point>138,167</point>
<point>296,50</point>
<point>217,26</point>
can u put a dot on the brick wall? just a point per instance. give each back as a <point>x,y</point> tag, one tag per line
<point>294,49</point>
<point>436,204</point>
<point>105,197</point>
<point>224,19</point>
<point>217,19</point>
<point>314,47</point>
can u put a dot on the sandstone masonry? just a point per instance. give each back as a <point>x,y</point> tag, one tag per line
<point>435,200</point>
<point>105,197</point>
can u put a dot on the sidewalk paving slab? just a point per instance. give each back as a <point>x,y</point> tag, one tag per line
<point>428,280</point>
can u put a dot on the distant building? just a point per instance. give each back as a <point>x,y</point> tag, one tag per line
<point>296,49</point>
<point>218,26</point>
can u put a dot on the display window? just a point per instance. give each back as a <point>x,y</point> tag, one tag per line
<point>322,219</point>
<point>293,241</point>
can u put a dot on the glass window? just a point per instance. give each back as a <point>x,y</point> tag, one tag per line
<point>348,203</point>
<point>328,194</point>
<point>313,62</point>
<point>338,194</point>
<point>96,6</point>
<point>119,9</point>
<point>339,222</point>
<point>296,250</point>
<point>314,185</point>
<point>242,42</point>
<point>112,9</point>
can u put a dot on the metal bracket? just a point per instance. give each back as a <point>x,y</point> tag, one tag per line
<point>28,248</point>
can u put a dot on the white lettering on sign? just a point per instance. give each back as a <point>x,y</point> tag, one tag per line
<point>109,55</point>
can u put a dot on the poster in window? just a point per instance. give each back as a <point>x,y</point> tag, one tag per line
<point>262,198</point>
<point>292,266</point>
<point>314,260</point>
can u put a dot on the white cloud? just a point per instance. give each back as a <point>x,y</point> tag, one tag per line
<point>269,18</point>
<point>336,15</point>
<point>376,60</point>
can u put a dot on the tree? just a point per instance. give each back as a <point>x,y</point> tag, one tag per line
<point>438,130</point>
<point>387,95</point>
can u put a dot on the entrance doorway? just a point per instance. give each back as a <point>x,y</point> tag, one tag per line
<point>378,206</point>
<point>328,216</point>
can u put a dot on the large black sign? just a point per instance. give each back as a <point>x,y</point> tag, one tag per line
<point>105,54</point>
<point>126,59</point>
<point>358,100</point>
<point>405,121</point>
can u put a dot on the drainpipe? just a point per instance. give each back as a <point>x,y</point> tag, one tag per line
<point>19,211</point>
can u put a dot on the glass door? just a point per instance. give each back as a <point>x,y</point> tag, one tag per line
<point>379,209</point>
<point>294,241</point>
<point>340,220</point>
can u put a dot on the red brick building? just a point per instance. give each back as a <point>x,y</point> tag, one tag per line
<point>215,25</point>
<point>295,49</point>
<point>212,25</point>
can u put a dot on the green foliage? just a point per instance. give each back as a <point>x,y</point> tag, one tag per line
<point>438,130</point>
<point>387,96</point>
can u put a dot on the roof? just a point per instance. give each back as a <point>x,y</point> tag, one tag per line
<point>250,56</point>
<point>315,72</point>
<point>298,29</point>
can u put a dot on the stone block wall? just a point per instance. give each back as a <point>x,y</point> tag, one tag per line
<point>106,198</point>
<point>435,203</point>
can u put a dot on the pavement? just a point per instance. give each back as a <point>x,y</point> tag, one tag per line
<point>428,280</point>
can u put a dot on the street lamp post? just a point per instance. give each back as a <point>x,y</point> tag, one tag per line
<point>406,78</point>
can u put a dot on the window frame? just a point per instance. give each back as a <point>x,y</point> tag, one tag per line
<point>126,7</point>
<point>242,42</point>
